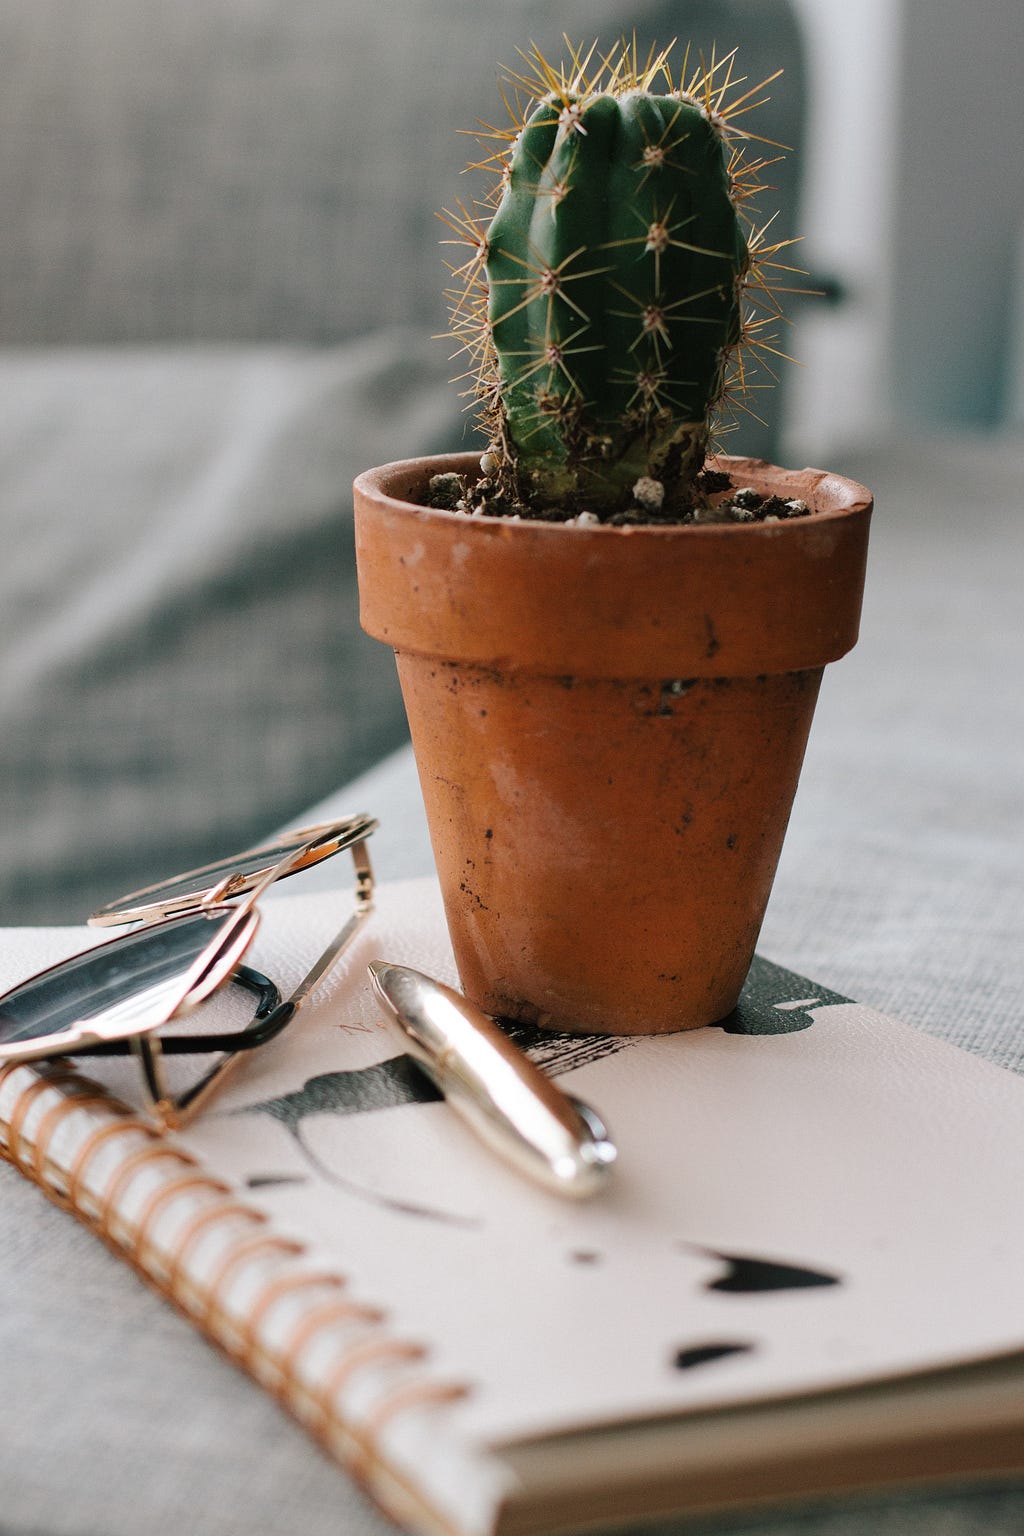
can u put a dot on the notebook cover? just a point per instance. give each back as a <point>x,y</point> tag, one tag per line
<point>809,1197</point>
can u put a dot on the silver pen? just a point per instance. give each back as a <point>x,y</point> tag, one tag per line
<point>494,1086</point>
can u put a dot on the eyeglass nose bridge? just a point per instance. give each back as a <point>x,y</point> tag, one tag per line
<point>220,893</point>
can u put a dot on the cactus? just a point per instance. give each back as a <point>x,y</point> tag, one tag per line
<point>605,300</point>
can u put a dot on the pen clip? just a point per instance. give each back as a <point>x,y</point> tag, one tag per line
<point>493,1086</point>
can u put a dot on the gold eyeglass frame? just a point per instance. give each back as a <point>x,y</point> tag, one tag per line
<point>225,892</point>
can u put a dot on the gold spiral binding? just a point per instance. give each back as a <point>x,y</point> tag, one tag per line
<point>331,1312</point>
<point>89,1148</point>
<point>198,1224</point>
<point>141,1243</point>
<point>212,1312</point>
<point>412,1394</point>
<point>369,1352</point>
<point>359,1446</point>
<point>18,1148</point>
<point>5,1073</point>
<point>126,1171</point>
<point>82,1095</point>
<point>273,1292</point>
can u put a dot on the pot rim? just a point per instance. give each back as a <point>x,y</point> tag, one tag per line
<point>847,497</point>
<point>717,600</point>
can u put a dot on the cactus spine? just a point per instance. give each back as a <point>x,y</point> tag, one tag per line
<point>603,301</point>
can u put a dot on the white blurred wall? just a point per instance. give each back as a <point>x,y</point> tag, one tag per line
<point>915,200</point>
<point>838,396</point>
<point>959,210</point>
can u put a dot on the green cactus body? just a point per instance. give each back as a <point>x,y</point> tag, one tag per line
<point>614,266</point>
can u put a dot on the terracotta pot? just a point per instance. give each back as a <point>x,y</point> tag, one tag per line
<point>609,725</point>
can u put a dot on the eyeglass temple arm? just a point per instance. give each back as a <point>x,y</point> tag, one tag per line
<point>146,1048</point>
<point>176,1112</point>
<point>364,906</point>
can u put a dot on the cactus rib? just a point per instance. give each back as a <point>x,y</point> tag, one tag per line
<point>602,302</point>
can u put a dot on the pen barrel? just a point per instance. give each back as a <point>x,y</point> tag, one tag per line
<point>493,1086</point>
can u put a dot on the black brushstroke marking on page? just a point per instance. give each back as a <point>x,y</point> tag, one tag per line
<point>274,1180</point>
<point>399,1080</point>
<point>556,1050</point>
<point>746,1275</point>
<point>763,1008</point>
<point>360,1090</point>
<point>376,1197</point>
<point>357,1091</point>
<point>704,1354</point>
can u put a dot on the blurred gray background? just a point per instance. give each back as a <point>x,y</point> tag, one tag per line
<point>219,288</point>
<point>220,280</point>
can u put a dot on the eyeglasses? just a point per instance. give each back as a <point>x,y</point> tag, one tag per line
<point>190,937</point>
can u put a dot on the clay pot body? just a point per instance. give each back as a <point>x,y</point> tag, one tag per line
<point>609,725</point>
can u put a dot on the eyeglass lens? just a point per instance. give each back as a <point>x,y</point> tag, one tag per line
<point>242,869</point>
<point>136,969</point>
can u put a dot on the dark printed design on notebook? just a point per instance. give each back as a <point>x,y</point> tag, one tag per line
<point>775,1001</point>
<point>397,1081</point>
<point>772,1002</point>
<point>746,1275</point>
<point>357,1091</point>
<point>384,1085</point>
<point>556,1051</point>
<point>694,1355</point>
<point>387,1084</point>
<point>274,1180</point>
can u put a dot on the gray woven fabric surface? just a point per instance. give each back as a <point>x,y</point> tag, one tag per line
<point>901,884</point>
<point>902,879</point>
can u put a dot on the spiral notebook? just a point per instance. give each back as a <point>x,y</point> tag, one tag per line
<point>805,1275</point>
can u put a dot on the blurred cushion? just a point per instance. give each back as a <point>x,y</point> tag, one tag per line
<point>182,662</point>
<point>252,170</point>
